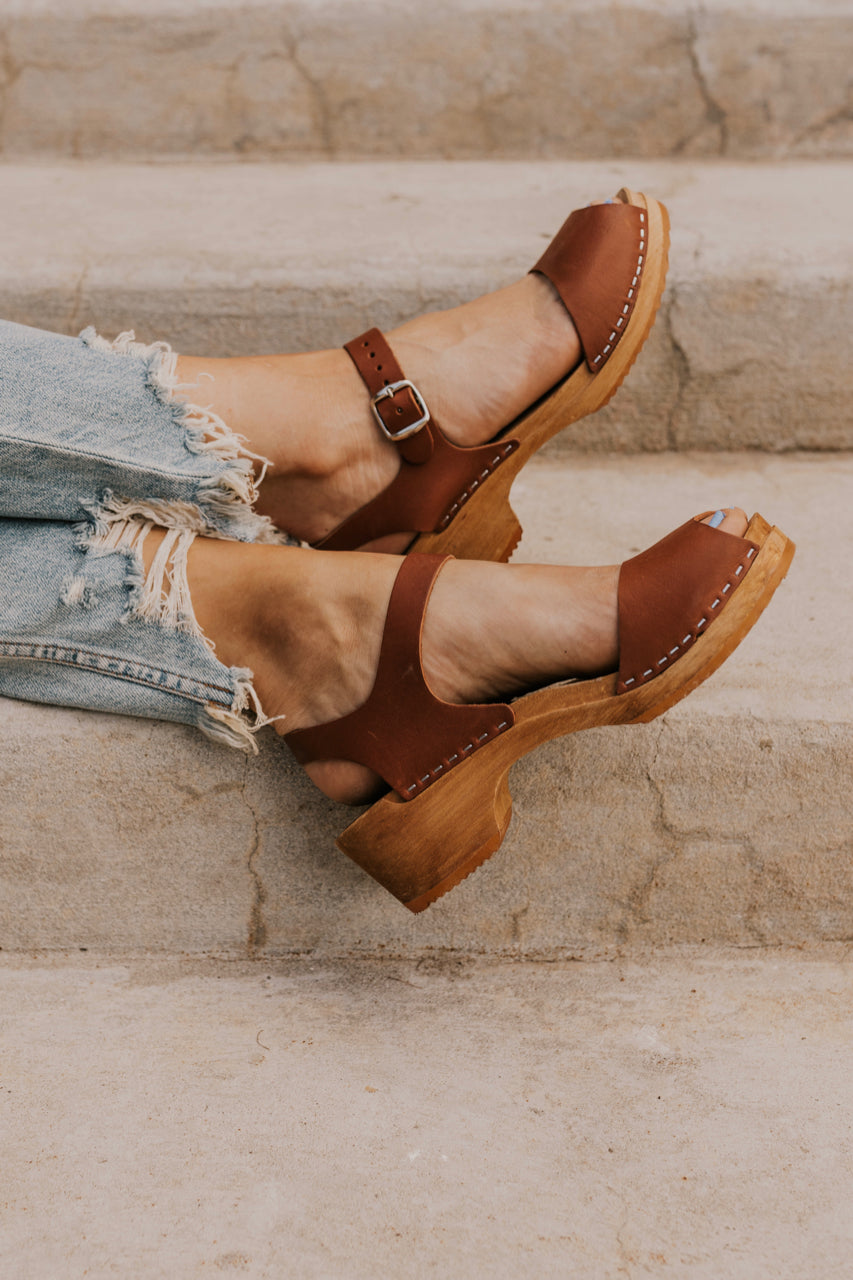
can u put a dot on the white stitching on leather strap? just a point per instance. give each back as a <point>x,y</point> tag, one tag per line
<point>475,484</point>
<point>626,308</point>
<point>463,751</point>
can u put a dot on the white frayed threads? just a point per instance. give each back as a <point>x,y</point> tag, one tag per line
<point>78,591</point>
<point>206,431</point>
<point>112,511</point>
<point>165,597</point>
<point>162,597</point>
<point>164,594</point>
<point>230,494</point>
<point>237,725</point>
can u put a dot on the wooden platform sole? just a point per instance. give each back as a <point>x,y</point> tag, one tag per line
<point>486,527</point>
<point>421,849</point>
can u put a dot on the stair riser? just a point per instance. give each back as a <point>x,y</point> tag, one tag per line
<point>733,831</point>
<point>332,79</point>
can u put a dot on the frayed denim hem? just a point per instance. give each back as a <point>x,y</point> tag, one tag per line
<point>221,506</point>
<point>162,598</point>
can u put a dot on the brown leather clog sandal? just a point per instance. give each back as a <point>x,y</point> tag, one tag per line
<point>684,605</point>
<point>608,263</point>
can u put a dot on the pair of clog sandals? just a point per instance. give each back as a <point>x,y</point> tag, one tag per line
<point>684,604</point>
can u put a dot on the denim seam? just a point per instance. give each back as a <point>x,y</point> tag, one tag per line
<point>64,656</point>
<point>148,469</point>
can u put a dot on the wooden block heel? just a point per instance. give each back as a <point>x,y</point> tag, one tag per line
<point>421,850</point>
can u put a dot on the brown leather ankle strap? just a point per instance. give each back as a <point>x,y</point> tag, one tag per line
<point>403,731</point>
<point>436,477</point>
<point>398,407</point>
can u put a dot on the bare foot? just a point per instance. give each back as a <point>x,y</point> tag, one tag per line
<point>309,624</point>
<point>478,366</point>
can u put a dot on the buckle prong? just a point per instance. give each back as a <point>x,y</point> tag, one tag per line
<point>387,393</point>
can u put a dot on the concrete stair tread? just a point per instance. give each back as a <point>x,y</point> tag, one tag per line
<point>751,348</point>
<point>727,820</point>
<point>678,1112</point>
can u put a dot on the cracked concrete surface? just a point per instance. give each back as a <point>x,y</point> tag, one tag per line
<point>752,348</point>
<point>675,1113</point>
<point>513,78</point>
<point>715,121</point>
<point>257,932</point>
<point>727,821</point>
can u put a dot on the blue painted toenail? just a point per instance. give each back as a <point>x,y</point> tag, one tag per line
<point>717,519</point>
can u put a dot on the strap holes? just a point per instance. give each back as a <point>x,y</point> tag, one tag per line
<point>365,344</point>
<point>399,411</point>
<point>373,355</point>
<point>379,368</point>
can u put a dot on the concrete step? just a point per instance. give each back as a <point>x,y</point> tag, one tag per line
<point>752,348</point>
<point>686,1115</point>
<point>511,78</point>
<point>728,820</point>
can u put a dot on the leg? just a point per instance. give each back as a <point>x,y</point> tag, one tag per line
<point>310,626</point>
<point>115,431</point>
<point>144,621</point>
<point>372,663</point>
<point>478,365</point>
<point>340,478</point>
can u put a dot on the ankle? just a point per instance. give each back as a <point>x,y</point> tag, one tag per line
<point>315,622</point>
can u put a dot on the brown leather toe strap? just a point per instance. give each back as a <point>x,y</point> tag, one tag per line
<point>671,593</point>
<point>403,731</point>
<point>436,477</point>
<point>595,263</point>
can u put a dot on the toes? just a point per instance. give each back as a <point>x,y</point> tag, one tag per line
<point>730,520</point>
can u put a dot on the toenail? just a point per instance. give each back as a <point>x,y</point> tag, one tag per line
<point>717,519</point>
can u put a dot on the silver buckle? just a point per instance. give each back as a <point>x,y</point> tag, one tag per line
<point>386,394</point>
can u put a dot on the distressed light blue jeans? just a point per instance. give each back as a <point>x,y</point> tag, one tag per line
<point>94,451</point>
